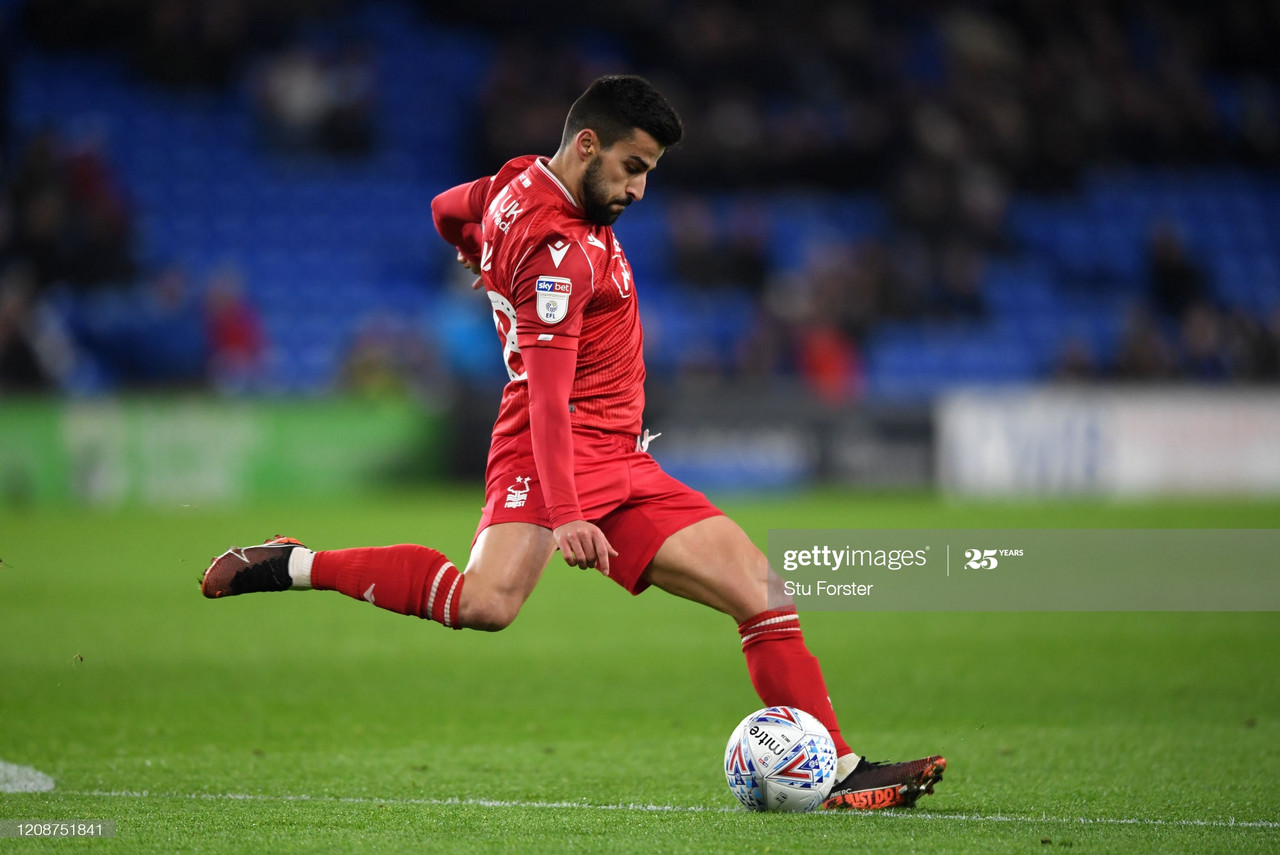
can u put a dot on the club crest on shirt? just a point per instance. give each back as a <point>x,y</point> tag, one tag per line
<point>553,298</point>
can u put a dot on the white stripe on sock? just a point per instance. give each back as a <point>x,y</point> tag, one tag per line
<point>775,629</point>
<point>775,620</point>
<point>435,583</point>
<point>448,599</point>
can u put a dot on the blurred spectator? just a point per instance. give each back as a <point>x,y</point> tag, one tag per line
<point>523,95</point>
<point>70,217</point>
<point>234,333</point>
<point>815,319</point>
<point>43,235</point>
<point>746,247</point>
<point>147,335</point>
<point>22,366</point>
<point>309,103</point>
<point>898,276</point>
<point>348,128</point>
<point>390,358</point>
<point>831,364</point>
<point>1145,352</point>
<point>1252,346</point>
<point>1176,281</point>
<point>166,343</point>
<point>1204,354</point>
<point>708,252</point>
<point>100,217</point>
<point>293,99</point>
<point>960,277</point>
<point>691,230</point>
<point>1076,362</point>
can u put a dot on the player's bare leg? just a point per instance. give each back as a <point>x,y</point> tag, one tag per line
<point>506,563</point>
<point>714,562</point>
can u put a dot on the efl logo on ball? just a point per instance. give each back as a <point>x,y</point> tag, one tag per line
<point>780,758</point>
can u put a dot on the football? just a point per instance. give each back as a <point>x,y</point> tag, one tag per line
<point>780,759</point>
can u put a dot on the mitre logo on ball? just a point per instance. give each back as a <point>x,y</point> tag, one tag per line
<point>780,759</point>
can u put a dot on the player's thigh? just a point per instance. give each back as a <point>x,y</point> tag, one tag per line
<point>713,562</point>
<point>506,563</point>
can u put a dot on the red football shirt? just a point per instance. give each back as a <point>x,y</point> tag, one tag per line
<point>554,280</point>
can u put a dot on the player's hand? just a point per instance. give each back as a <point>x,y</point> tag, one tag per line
<point>584,545</point>
<point>471,264</point>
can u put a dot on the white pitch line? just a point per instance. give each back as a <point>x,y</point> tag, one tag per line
<point>374,800</point>
<point>651,808</point>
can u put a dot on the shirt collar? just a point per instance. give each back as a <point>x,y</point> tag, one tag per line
<point>542,165</point>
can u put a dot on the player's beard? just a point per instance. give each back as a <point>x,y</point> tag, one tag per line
<point>596,204</point>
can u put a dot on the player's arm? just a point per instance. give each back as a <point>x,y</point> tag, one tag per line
<point>457,212</point>
<point>550,378</point>
<point>548,341</point>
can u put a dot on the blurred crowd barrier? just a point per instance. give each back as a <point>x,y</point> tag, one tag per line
<point>184,452</point>
<point>1130,443</point>
<point>177,452</point>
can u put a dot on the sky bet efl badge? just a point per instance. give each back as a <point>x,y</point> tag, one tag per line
<point>553,298</point>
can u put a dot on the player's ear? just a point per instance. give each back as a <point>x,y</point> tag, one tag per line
<point>586,144</point>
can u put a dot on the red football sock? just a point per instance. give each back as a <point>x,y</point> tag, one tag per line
<point>408,579</point>
<point>783,670</point>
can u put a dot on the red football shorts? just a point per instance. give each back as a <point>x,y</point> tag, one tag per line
<point>621,489</point>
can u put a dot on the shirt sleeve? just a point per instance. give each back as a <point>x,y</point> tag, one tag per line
<point>456,213</point>
<point>552,289</point>
<point>549,372</point>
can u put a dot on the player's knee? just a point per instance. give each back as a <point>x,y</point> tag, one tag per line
<point>758,591</point>
<point>746,587</point>
<point>489,613</point>
<point>743,585</point>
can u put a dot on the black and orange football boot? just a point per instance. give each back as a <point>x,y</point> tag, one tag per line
<point>872,786</point>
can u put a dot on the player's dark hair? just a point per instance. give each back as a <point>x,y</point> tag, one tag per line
<point>616,104</point>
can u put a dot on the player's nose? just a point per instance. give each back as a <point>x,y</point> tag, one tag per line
<point>635,188</point>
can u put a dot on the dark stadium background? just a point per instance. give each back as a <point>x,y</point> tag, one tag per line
<point>877,203</point>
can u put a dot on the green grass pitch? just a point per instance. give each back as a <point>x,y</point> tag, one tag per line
<point>309,722</point>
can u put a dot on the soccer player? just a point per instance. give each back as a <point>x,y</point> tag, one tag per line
<point>568,466</point>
